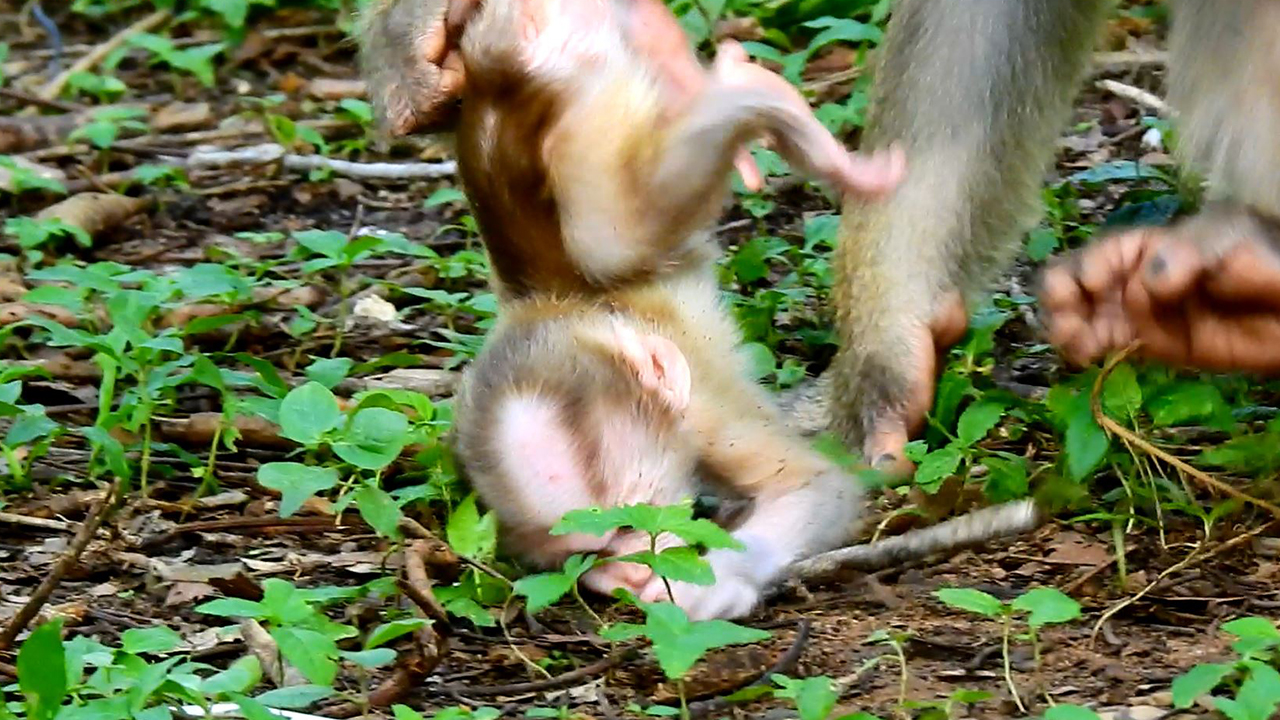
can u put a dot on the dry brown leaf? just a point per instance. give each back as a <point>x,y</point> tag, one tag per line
<point>95,212</point>
<point>177,116</point>
<point>336,88</point>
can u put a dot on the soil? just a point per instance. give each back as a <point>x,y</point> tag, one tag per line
<point>154,562</point>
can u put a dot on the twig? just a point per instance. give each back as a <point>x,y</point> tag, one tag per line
<point>42,523</point>
<point>298,524</point>
<point>1137,95</point>
<point>1134,58</point>
<point>270,152</point>
<point>72,555</point>
<point>560,681</point>
<point>102,50</point>
<point>785,665</point>
<point>1010,518</point>
<point>30,99</point>
<point>1114,428</point>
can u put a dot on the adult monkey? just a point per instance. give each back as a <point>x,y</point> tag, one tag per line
<point>976,92</point>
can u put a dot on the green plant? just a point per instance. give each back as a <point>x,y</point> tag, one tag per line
<point>1252,678</point>
<point>196,60</point>
<point>103,88</point>
<point>21,178</point>
<point>33,234</point>
<point>1042,606</point>
<point>105,125</point>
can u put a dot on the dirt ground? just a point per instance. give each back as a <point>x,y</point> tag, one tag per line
<point>162,555</point>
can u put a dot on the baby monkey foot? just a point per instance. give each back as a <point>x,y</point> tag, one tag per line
<point>1203,293</point>
<point>893,425</point>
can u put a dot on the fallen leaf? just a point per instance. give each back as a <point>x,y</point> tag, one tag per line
<point>95,212</point>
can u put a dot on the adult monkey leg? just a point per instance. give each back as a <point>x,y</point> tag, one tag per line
<point>975,92</point>
<point>1206,291</point>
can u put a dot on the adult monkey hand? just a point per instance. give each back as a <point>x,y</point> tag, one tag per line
<point>418,90</point>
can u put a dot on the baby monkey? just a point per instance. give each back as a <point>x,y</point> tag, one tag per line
<point>612,378</point>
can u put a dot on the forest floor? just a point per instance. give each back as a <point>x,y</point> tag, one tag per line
<point>1149,615</point>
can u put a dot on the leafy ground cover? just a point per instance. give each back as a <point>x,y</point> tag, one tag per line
<point>230,336</point>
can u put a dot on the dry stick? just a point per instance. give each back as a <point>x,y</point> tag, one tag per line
<point>72,555</point>
<point>1137,95</point>
<point>1114,428</point>
<point>271,152</point>
<point>29,99</point>
<point>975,527</point>
<point>102,50</point>
<point>42,523</point>
<point>560,681</point>
<point>785,665</point>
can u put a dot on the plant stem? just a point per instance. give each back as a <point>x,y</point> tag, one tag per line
<point>1008,665</point>
<point>684,703</point>
<point>146,457</point>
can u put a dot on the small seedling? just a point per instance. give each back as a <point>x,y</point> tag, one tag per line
<point>1043,606</point>
<point>1253,678</point>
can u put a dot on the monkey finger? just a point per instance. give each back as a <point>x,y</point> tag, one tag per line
<point>1173,268</point>
<point>459,13</point>
<point>875,174</point>
<point>752,179</point>
<point>452,79</point>
<point>1248,273</point>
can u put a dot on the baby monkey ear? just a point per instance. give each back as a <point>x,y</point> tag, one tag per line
<point>657,362</point>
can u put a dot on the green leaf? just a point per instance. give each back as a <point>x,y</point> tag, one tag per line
<point>1253,627</point>
<point>655,520</point>
<point>1260,692</point>
<point>814,697</point>
<point>240,677</point>
<point>1121,393</point>
<point>329,371</point>
<point>379,510</point>
<point>1041,243</point>
<point>759,359</point>
<point>42,676</point>
<point>404,712</point>
<point>677,563</point>
<point>373,439</point>
<point>1006,478</point>
<point>749,263</point>
<point>308,412</point>
<point>149,640</point>
<point>375,658</point>
<point>210,280</point>
<point>545,589</point>
<point>977,420</point>
<point>1116,171</point>
<point>1046,605</point>
<point>468,533</point>
<point>1188,403</point>
<point>309,651</point>
<point>296,482</point>
<point>233,607</point>
<point>295,697</point>
<point>1086,443</point>
<point>443,196</point>
<point>968,599</point>
<point>328,243</point>
<point>679,643</point>
<point>936,467</point>
<point>387,632</point>
<point>1198,681</point>
<point>1070,712</point>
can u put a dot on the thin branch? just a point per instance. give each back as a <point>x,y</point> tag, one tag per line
<point>1114,428</point>
<point>568,679</point>
<point>267,153</point>
<point>1137,95</point>
<point>69,558</point>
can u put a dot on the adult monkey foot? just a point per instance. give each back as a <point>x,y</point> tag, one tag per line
<point>894,423</point>
<point>1203,293</point>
